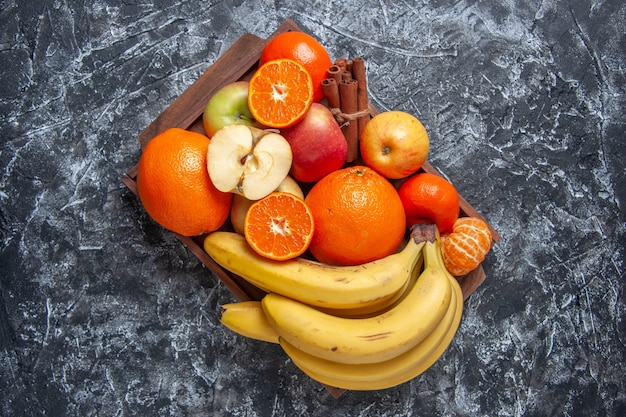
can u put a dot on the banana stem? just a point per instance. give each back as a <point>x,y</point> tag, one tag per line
<point>424,233</point>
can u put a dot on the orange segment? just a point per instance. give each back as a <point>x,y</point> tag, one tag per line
<point>279,226</point>
<point>280,93</point>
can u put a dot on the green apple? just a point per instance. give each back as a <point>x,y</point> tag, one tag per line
<point>229,105</point>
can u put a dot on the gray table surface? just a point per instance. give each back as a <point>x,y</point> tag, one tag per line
<point>104,313</point>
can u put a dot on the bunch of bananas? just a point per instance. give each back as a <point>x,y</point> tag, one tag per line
<point>367,327</point>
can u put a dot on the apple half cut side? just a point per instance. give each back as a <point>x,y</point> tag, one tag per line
<point>248,161</point>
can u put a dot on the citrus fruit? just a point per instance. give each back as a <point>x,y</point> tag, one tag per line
<point>358,217</point>
<point>173,184</point>
<point>466,246</point>
<point>429,198</point>
<point>279,226</point>
<point>304,49</point>
<point>280,93</point>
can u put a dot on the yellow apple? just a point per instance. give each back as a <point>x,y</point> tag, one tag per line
<point>395,144</point>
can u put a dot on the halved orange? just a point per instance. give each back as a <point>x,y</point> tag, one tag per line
<point>279,226</point>
<point>280,93</point>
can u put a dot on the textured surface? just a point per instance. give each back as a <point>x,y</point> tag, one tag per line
<point>103,313</point>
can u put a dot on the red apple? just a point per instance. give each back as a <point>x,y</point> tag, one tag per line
<point>317,144</point>
<point>394,144</point>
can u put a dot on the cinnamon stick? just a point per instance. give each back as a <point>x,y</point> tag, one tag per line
<point>348,94</point>
<point>342,63</point>
<point>334,71</point>
<point>331,91</point>
<point>359,74</point>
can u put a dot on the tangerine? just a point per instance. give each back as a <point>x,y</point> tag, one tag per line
<point>358,217</point>
<point>429,198</point>
<point>279,226</point>
<point>280,93</point>
<point>306,50</point>
<point>466,246</point>
<point>173,184</point>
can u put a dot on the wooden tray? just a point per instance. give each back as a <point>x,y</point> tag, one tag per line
<point>239,63</point>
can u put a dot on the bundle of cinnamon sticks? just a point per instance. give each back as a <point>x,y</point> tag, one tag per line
<point>345,89</point>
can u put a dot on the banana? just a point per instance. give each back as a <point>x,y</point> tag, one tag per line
<point>376,309</point>
<point>375,372</point>
<point>367,340</point>
<point>315,283</point>
<point>375,379</point>
<point>248,319</point>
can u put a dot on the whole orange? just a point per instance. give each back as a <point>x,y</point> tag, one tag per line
<point>174,186</point>
<point>358,217</point>
<point>304,49</point>
<point>429,198</point>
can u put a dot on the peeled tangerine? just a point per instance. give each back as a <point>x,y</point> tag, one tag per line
<point>466,246</point>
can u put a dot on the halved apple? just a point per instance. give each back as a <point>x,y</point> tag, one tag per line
<point>248,161</point>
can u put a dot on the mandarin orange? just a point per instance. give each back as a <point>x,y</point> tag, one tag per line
<point>280,93</point>
<point>279,226</point>
<point>173,184</point>
<point>306,50</point>
<point>358,217</point>
<point>429,198</point>
<point>466,246</point>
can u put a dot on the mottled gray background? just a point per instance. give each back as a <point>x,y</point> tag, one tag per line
<point>103,313</point>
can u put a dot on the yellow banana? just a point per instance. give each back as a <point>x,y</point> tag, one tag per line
<point>314,283</point>
<point>376,309</point>
<point>380,371</point>
<point>405,374</point>
<point>366,340</point>
<point>248,319</point>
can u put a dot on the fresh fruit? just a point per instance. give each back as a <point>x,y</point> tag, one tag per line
<point>279,226</point>
<point>317,143</point>
<point>466,246</point>
<point>304,49</point>
<point>395,144</point>
<point>386,304</point>
<point>429,198</point>
<point>384,374</point>
<point>229,105</point>
<point>390,373</point>
<point>248,161</point>
<point>248,319</point>
<point>368,340</point>
<point>280,93</point>
<point>358,217</point>
<point>314,283</point>
<point>240,205</point>
<point>174,186</point>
